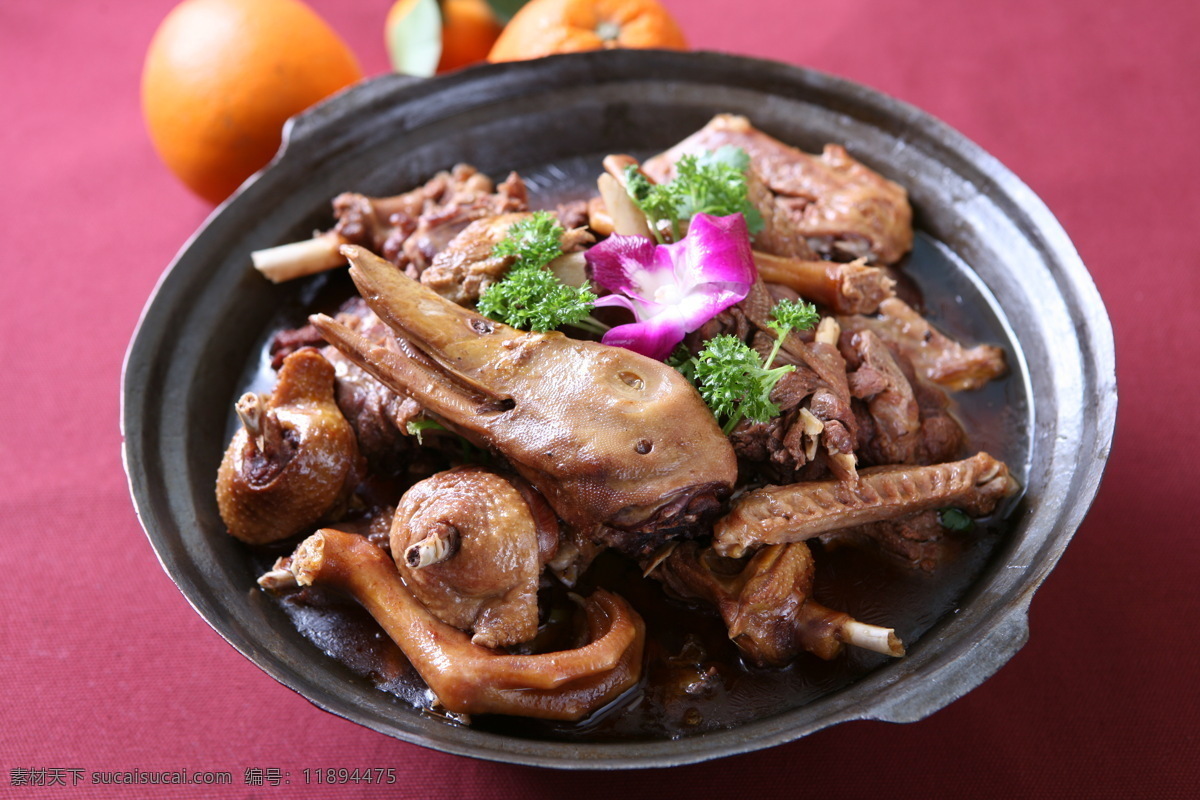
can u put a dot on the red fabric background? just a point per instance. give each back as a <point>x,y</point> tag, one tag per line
<point>104,665</point>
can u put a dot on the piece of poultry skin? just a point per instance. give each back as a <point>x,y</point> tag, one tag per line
<point>800,511</point>
<point>468,545</point>
<point>620,445</point>
<point>294,461</point>
<point>465,677</point>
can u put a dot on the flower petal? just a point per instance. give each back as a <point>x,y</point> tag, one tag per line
<point>718,251</point>
<point>619,301</point>
<point>673,289</point>
<point>703,303</point>
<point>655,337</point>
<point>619,260</point>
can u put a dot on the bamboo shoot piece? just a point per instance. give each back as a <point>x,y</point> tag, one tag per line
<point>300,259</point>
<point>570,268</point>
<point>627,218</point>
<point>599,220</point>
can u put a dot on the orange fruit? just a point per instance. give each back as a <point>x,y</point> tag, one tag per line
<point>469,29</point>
<point>222,76</point>
<point>544,27</point>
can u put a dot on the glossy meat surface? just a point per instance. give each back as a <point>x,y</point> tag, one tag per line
<point>466,267</point>
<point>410,229</point>
<point>378,415</point>
<point>467,545</point>
<point>465,677</point>
<point>828,206</point>
<point>853,288</point>
<point>294,461</point>
<point>936,357</point>
<point>765,601</point>
<point>889,398</point>
<point>777,514</point>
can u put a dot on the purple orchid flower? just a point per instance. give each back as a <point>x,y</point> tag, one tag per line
<point>673,289</point>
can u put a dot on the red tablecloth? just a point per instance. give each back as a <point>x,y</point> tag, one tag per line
<point>105,667</point>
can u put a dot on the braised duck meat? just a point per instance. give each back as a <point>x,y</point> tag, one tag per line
<point>766,603</point>
<point>814,399</point>
<point>468,678</point>
<point>785,448</point>
<point>919,541</point>
<point>294,461</point>
<point>890,399</point>
<point>408,229</point>
<point>936,357</point>
<point>830,401</point>
<point>895,415</point>
<point>777,514</point>
<point>379,416</point>
<point>509,469</point>
<point>942,435</point>
<point>470,546</point>
<point>620,445</point>
<point>462,270</point>
<point>813,207</point>
<point>412,228</point>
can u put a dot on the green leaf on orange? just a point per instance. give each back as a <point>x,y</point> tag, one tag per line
<point>506,8</point>
<point>413,33</point>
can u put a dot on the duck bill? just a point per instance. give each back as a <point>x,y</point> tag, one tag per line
<point>460,340</point>
<point>436,390</point>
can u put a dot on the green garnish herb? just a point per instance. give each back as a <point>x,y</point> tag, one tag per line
<point>416,427</point>
<point>788,316</point>
<point>530,296</point>
<point>955,519</point>
<point>733,379</point>
<point>711,183</point>
<point>684,362</point>
<point>533,242</point>
<point>533,299</point>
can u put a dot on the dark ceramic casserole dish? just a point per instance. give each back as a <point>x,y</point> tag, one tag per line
<point>201,334</point>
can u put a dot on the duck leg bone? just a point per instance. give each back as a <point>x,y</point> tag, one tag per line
<point>766,603</point>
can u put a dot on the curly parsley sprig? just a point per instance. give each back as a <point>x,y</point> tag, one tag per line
<point>788,316</point>
<point>709,183</point>
<point>733,379</point>
<point>532,242</point>
<point>530,296</point>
